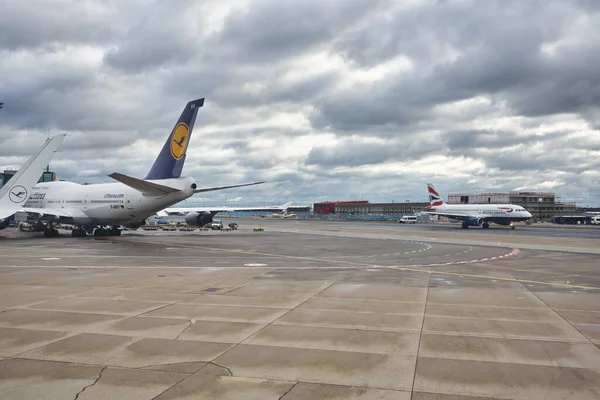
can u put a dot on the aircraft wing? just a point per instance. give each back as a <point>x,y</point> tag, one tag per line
<point>185,210</point>
<point>210,189</point>
<point>54,212</point>
<point>453,215</point>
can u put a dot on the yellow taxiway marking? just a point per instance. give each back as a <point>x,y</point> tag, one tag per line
<point>427,271</point>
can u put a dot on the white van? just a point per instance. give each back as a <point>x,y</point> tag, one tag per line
<point>595,220</point>
<point>408,219</point>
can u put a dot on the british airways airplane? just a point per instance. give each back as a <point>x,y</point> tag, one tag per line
<point>102,208</point>
<point>476,214</point>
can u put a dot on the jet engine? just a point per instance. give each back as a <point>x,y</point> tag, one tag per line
<point>4,223</point>
<point>198,218</point>
<point>474,221</point>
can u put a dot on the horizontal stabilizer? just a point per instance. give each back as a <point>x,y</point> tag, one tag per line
<point>144,187</point>
<point>210,189</point>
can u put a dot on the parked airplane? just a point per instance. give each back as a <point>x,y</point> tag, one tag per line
<point>15,193</point>
<point>476,214</point>
<point>196,216</point>
<point>283,214</point>
<point>127,202</point>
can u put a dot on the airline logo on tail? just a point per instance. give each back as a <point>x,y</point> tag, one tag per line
<point>170,160</point>
<point>179,141</point>
<point>435,199</point>
<point>18,194</point>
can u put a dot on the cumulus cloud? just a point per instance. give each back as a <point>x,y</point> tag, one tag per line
<point>325,99</point>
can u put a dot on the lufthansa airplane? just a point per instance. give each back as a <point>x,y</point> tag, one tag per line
<point>476,214</point>
<point>16,191</point>
<point>102,208</point>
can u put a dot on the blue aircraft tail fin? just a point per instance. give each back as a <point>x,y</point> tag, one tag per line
<point>171,158</point>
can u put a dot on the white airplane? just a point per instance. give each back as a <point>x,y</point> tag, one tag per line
<point>196,216</point>
<point>127,202</point>
<point>476,214</point>
<point>15,193</point>
<point>283,214</point>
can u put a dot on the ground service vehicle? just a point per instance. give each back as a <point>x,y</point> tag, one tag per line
<point>408,219</point>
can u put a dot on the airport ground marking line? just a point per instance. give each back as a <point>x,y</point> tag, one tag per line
<point>560,316</point>
<point>443,240</point>
<point>256,253</point>
<point>513,252</point>
<point>393,267</point>
<point>399,267</point>
<point>516,280</point>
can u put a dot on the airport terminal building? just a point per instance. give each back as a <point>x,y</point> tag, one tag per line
<point>47,176</point>
<point>543,206</point>
<point>364,207</point>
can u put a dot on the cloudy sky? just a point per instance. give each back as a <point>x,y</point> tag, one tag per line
<point>325,99</point>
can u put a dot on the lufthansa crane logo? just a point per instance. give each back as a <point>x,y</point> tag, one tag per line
<point>179,141</point>
<point>17,194</point>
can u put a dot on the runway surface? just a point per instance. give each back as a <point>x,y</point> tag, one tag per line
<point>303,310</point>
<point>539,230</point>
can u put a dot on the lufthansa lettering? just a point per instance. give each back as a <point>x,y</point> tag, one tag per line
<point>114,195</point>
<point>37,196</point>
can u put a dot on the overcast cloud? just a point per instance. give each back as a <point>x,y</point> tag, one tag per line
<point>324,99</point>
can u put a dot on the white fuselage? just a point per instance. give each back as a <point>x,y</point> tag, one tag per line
<point>498,213</point>
<point>105,203</point>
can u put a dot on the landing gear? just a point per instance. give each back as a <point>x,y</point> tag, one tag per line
<point>511,225</point>
<point>100,232</point>
<point>79,232</point>
<point>485,225</point>
<point>464,225</point>
<point>50,232</point>
<point>112,231</point>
